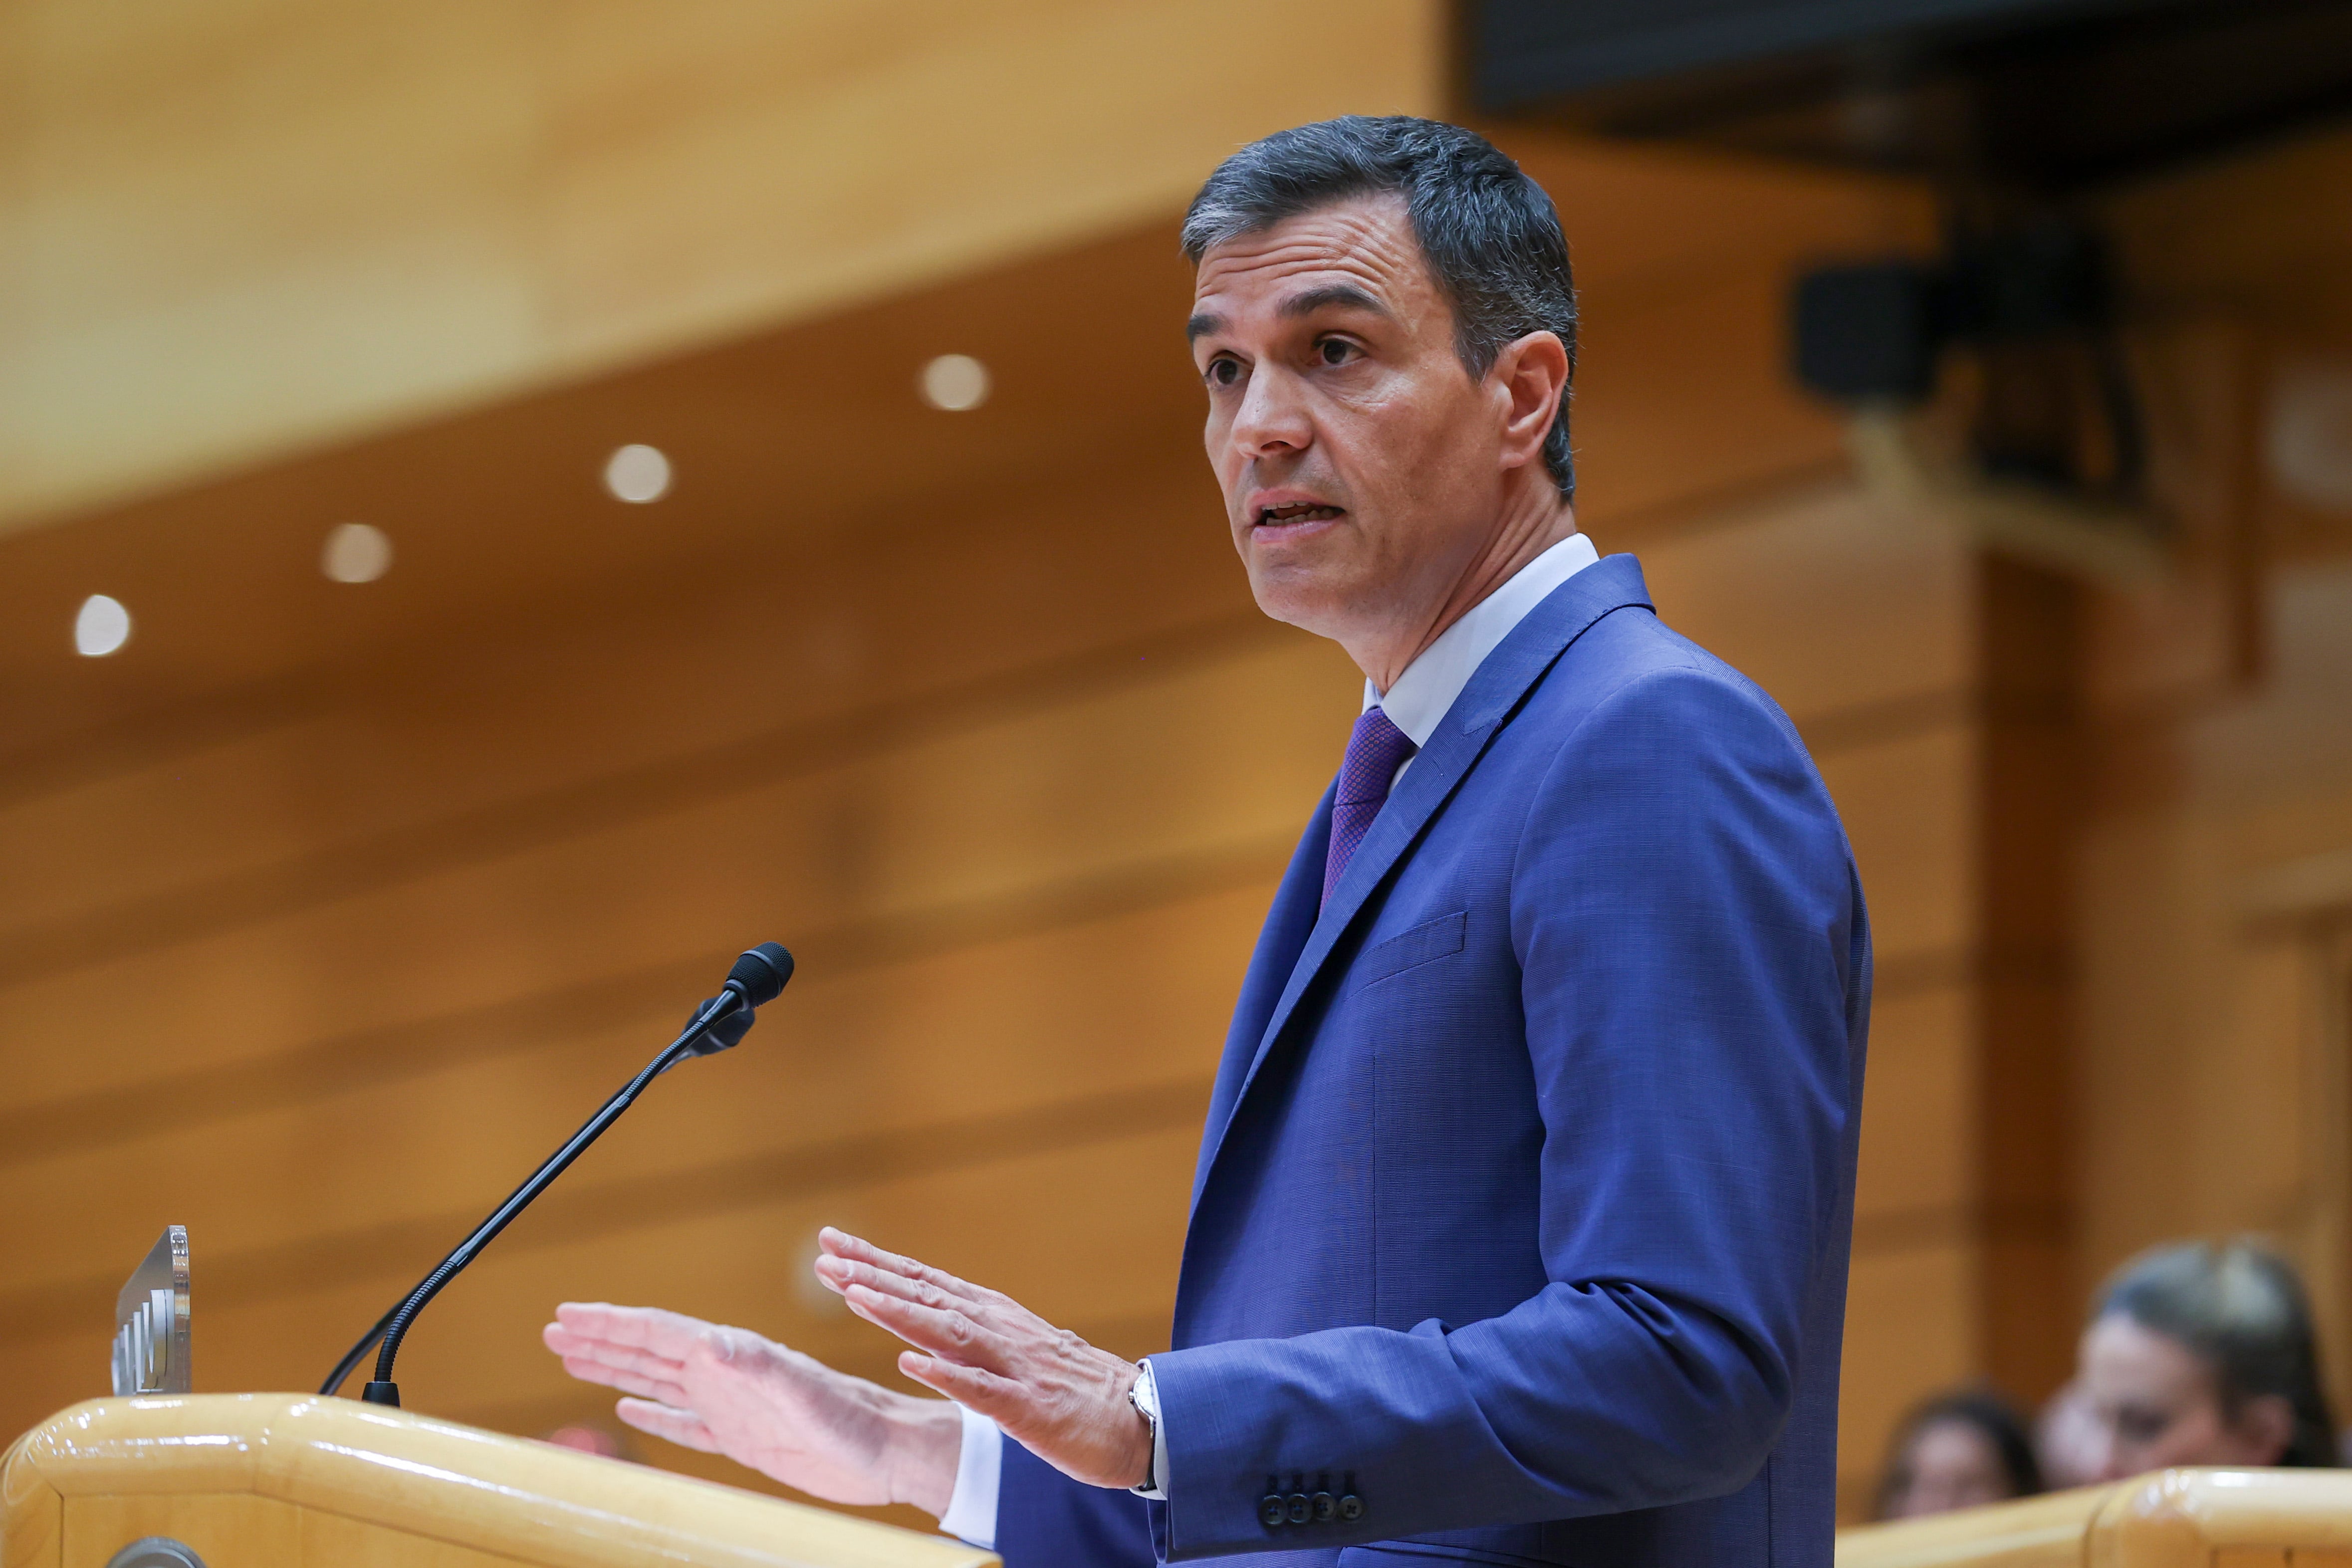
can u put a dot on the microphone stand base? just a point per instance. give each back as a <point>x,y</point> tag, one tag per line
<point>380,1393</point>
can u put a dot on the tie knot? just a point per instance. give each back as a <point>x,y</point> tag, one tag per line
<point>1375,751</point>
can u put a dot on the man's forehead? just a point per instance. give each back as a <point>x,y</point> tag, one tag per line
<point>1366,242</point>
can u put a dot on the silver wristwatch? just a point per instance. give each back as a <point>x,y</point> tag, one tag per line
<point>1144,1396</point>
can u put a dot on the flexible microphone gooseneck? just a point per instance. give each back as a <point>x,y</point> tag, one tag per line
<point>755,980</point>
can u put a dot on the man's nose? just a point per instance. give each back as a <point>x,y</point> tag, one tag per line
<point>1273,415</point>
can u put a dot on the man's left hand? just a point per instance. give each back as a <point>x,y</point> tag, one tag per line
<point>1054,1393</point>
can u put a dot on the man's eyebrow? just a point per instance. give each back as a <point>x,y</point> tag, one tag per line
<point>1344,295</point>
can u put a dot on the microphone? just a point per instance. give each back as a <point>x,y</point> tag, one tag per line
<point>720,1023</point>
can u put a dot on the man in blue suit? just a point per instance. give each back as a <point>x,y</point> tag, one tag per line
<point>1519,1230</point>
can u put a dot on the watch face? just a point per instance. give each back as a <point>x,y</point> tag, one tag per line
<point>1150,1482</point>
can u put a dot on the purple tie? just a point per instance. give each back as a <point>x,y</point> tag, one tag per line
<point>1375,752</point>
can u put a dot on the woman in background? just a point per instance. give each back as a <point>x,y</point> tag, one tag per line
<point>2197,1354</point>
<point>1956,1451</point>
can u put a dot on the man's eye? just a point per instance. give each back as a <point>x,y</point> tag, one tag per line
<point>1336,352</point>
<point>1223,372</point>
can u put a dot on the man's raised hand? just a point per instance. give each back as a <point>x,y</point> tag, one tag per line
<point>1057,1396</point>
<point>727,1391</point>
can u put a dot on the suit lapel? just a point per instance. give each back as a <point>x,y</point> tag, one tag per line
<point>1493,695</point>
<point>1288,926</point>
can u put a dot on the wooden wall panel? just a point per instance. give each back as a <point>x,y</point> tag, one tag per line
<point>1913,1323</point>
<point>1907,805</point>
<point>2256,1155</point>
<point>805,663</point>
<point>960,815</point>
<point>1706,352</point>
<point>1886,597</point>
<point>279,221</point>
<point>2029,812</point>
<point>1920,1163</point>
<point>1102,1012</point>
<point>2246,236</point>
<point>1911,1329</point>
<point>1651,222</point>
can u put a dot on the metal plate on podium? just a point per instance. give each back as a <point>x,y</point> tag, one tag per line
<point>151,1322</point>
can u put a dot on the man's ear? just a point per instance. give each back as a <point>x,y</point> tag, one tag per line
<point>1532,373</point>
<point>2266,1425</point>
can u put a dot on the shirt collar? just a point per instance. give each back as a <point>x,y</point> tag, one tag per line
<point>1420,696</point>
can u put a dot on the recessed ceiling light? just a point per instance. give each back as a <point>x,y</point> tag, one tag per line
<point>355,552</point>
<point>637,473</point>
<point>102,626</point>
<point>955,382</point>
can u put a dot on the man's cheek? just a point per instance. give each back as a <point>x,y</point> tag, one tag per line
<point>1223,460</point>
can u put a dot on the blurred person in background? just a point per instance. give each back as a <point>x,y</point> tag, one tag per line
<point>2196,1355</point>
<point>588,1437</point>
<point>2069,1440</point>
<point>1957,1450</point>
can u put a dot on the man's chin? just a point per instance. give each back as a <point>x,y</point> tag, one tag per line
<point>1300,596</point>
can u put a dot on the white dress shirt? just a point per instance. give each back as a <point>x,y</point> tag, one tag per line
<point>972,1506</point>
<point>1416,704</point>
<point>1425,691</point>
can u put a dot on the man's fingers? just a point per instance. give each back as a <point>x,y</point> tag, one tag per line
<point>840,1244</point>
<point>1000,1399</point>
<point>664,1334</point>
<point>615,1366</point>
<point>669,1390</point>
<point>621,1357</point>
<point>683,1428</point>
<point>947,1333</point>
<point>841,1274</point>
<point>564,1341</point>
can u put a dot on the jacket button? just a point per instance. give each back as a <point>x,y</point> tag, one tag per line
<point>1300,1510</point>
<point>1326,1506</point>
<point>1272,1511</point>
<point>1351,1509</point>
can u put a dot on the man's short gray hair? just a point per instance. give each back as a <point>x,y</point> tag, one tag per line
<point>1490,234</point>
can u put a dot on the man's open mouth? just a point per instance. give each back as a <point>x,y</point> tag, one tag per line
<point>1301,512</point>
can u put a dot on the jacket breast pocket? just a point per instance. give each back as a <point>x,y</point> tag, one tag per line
<point>1430,940</point>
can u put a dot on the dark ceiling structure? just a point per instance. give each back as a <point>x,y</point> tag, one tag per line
<point>2018,113</point>
<point>2050,95</point>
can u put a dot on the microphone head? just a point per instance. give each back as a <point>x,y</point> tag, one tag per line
<point>760,974</point>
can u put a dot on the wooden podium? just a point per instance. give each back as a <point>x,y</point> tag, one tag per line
<point>2170,1519</point>
<point>258,1480</point>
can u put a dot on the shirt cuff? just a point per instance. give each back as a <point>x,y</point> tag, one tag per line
<point>970,1517</point>
<point>1147,1399</point>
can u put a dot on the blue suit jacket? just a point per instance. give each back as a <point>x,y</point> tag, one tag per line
<point>1524,1203</point>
